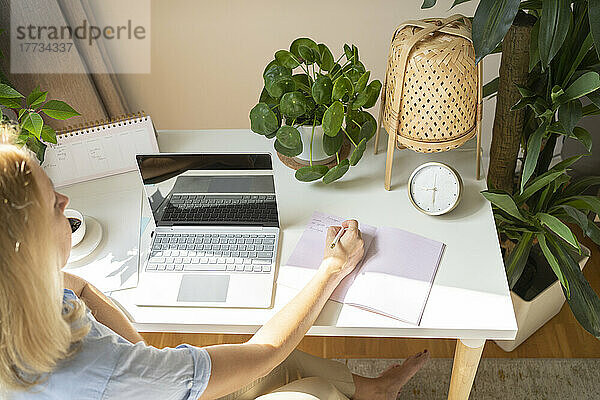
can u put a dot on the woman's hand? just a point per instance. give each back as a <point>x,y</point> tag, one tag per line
<point>347,253</point>
<point>234,365</point>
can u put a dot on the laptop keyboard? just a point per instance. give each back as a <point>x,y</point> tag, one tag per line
<point>235,252</point>
<point>221,208</point>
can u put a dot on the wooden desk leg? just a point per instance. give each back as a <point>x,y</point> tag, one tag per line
<point>389,160</point>
<point>466,360</point>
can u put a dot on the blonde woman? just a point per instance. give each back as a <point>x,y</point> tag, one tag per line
<point>60,338</point>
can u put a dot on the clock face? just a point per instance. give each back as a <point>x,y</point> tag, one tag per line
<point>434,188</point>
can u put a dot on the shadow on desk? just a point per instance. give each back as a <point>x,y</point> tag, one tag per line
<point>471,202</point>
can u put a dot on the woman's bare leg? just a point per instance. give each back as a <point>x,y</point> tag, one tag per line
<point>390,382</point>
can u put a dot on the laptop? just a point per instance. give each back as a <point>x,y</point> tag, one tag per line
<point>214,233</point>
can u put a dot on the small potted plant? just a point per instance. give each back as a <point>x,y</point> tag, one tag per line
<point>312,113</point>
<point>27,112</point>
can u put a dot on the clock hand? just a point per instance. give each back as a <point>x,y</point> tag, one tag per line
<point>434,189</point>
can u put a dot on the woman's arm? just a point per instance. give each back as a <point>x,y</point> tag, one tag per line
<point>234,366</point>
<point>102,308</point>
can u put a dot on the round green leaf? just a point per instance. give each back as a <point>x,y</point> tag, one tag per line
<point>278,80</point>
<point>354,72</point>
<point>333,119</point>
<point>311,173</point>
<point>303,42</point>
<point>368,128</point>
<point>307,54</point>
<point>303,82</point>
<point>293,104</point>
<point>358,152</point>
<point>373,89</point>
<point>280,86</point>
<point>287,151</point>
<point>337,172</point>
<point>279,121</point>
<point>289,137</point>
<point>368,97</point>
<point>332,144</point>
<point>429,4</point>
<point>326,62</point>
<point>263,120</point>
<point>341,87</point>
<point>356,128</point>
<point>265,97</point>
<point>361,84</point>
<point>286,59</point>
<point>361,100</point>
<point>269,65</point>
<point>321,90</point>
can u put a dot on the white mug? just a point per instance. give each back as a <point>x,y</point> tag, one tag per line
<point>78,234</point>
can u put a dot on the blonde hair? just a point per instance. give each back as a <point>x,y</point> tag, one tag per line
<point>35,331</point>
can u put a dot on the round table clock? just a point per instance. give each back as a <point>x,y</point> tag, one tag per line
<point>435,188</point>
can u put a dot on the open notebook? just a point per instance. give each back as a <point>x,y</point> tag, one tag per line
<point>394,277</point>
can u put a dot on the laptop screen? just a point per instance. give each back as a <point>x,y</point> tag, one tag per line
<point>209,189</point>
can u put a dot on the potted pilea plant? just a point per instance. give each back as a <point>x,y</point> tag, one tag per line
<point>532,211</point>
<point>311,104</point>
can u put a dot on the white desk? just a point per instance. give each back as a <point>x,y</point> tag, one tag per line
<point>469,300</point>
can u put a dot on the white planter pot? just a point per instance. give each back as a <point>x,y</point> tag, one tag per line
<point>318,154</point>
<point>532,315</point>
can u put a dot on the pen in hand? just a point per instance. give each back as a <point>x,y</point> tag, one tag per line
<point>337,237</point>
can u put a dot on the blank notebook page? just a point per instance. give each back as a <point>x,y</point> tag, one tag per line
<point>396,275</point>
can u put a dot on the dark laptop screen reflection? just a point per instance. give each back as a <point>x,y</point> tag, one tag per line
<point>169,175</point>
<point>156,169</point>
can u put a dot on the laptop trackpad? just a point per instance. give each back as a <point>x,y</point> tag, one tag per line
<point>203,288</point>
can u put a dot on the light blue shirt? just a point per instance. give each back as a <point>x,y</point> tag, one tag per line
<point>110,367</point>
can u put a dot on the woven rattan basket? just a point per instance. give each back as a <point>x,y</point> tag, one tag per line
<point>431,100</point>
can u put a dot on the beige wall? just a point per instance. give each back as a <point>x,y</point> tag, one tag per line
<point>208,56</point>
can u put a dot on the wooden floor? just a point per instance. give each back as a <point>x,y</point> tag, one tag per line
<point>562,337</point>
